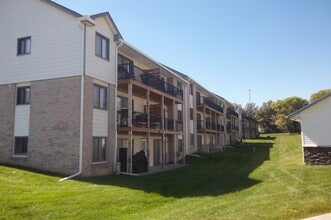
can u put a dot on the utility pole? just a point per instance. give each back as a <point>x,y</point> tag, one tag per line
<point>249,95</point>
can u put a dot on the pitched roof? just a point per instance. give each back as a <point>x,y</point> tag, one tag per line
<point>61,7</point>
<point>294,114</point>
<point>107,15</point>
<point>77,15</point>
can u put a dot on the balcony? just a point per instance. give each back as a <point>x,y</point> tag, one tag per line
<point>201,125</point>
<point>209,103</point>
<point>168,124</point>
<point>155,122</point>
<point>228,127</point>
<point>222,128</point>
<point>128,71</point>
<point>230,112</point>
<point>207,125</point>
<point>179,125</point>
<point>138,119</point>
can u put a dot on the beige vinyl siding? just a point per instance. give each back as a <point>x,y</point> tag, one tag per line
<point>97,67</point>
<point>56,42</point>
<point>22,120</point>
<point>100,123</point>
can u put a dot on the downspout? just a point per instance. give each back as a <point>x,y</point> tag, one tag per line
<point>115,118</point>
<point>81,126</point>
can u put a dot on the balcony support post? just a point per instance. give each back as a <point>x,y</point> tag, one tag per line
<point>148,125</point>
<point>130,107</point>
<point>162,129</point>
<point>174,138</point>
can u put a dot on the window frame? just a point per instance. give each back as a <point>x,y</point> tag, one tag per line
<point>97,103</point>
<point>191,89</point>
<point>191,114</point>
<point>21,151</point>
<point>192,139</point>
<point>21,98</point>
<point>99,147</point>
<point>26,41</point>
<point>104,42</point>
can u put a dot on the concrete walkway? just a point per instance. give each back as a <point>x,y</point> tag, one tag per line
<point>320,217</point>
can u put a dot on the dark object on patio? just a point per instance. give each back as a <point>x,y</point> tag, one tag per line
<point>139,162</point>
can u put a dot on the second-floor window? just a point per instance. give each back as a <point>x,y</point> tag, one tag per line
<point>191,114</point>
<point>101,46</point>
<point>180,115</point>
<point>23,95</point>
<point>99,97</point>
<point>23,45</point>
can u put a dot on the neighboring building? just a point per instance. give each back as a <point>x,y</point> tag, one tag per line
<point>315,130</point>
<point>76,99</point>
<point>249,126</point>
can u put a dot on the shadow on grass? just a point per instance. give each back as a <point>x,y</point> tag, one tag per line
<point>265,138</point>
<point>212,175</point>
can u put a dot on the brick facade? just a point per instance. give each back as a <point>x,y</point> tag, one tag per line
<point>103,168</point>
<point>7,115</point>
<point>54,125</point>
<point>317,155</point>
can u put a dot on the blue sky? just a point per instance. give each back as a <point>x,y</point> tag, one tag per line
<point>276,48</point>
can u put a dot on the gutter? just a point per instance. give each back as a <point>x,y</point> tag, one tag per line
<point>86,21</point>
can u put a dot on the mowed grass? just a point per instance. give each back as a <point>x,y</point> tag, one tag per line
<point>268,183</point>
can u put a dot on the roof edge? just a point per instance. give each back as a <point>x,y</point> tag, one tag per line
<point>106,14</point>
<point>62,8</point>
<point>293,114</point>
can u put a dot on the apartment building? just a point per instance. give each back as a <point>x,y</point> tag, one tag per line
<point>77,99</point>
<point>57,88</point>
<point>150,113</point>
<point>249,126</point>
<point>206,123</point>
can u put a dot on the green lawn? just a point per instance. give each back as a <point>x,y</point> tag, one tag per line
<point>270,183</point>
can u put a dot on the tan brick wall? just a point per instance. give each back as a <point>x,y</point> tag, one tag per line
<point>54,125</point>
<point>7,114</point>
<point>104,168</point>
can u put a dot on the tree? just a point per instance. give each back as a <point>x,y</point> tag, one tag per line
<point>251,108</point>
<point>265,116</point>
<point>285,107</point>
<point>317,95</point>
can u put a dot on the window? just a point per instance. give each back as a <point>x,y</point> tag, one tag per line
<point>180,115</point>
<point>21,146</point>
<point>23,95</point>
<point>100,97</point>
<point>122,102</point>
<point>101,46</point>
<point>179,86</point>
<point>191,113</point>
<point>23,45</point>
<point>191,89</point>
<point>191,139</point>
<point>180,145</point>
<point>99,149</point>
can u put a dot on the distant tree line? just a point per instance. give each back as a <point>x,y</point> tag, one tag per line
<point>271,116</point>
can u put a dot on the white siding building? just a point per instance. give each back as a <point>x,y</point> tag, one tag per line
<point>315,120</point>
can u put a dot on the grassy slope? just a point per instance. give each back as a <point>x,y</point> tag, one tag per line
<point>270,183</point>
